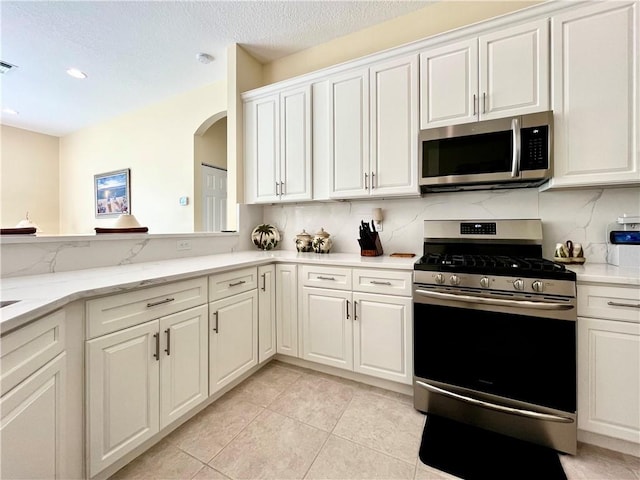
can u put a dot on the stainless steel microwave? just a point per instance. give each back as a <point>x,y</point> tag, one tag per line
<point>503,153</point>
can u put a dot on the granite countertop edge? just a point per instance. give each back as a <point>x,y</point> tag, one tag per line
<point>45,293</point>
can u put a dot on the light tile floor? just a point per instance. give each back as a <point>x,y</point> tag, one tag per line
<point>286,422</point>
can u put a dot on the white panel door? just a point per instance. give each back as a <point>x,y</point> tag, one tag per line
<point>287,309</point>
<point>514,71</point>
<point>184,363</point>
<point>349,134</point>
<point>327,327</point>
<point>214,198</point>
<point>266,312</point>
<point>609,378</point>
<point>383,336</point>
<point>233,338</point>
<point>31,425</point>
<point>596,95</point>
<point>123,373</point>
<point>394,127</point>
<point>295,144</point>
<point>262,148</point>
<point>449,85</point>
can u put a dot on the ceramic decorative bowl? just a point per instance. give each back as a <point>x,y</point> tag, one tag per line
<point>265,236</point>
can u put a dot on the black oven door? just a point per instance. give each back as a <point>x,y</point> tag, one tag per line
<point>508,354</point>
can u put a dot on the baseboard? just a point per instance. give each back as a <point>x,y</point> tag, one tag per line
<point>356,377</point>
<point>622,446</point>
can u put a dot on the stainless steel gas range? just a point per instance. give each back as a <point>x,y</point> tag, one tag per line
<point>495,331</point>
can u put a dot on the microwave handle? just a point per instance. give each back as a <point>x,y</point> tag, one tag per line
<point>515,161</point>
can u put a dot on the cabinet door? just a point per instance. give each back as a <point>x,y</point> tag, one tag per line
<point>287,309</point>
<point>609,378</point>
<point>266,313</point>
<point>383,336</point>
<point>262,149</point>
<point>514,71</point>
<point>394,127</point>
<point>449,85</point>
<point>122,377</point>
<point>327,327</point>
<point>349,134</point>
<point>595,95</point>
<point>32,420</point>
<point>295,144</point>
<point>184,363</point>
<point>233,338</point>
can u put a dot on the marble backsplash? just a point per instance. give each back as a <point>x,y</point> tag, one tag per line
<point>580,215</point>
<point>37,255</point>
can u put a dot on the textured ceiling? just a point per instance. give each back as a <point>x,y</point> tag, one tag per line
<point>137,53</point>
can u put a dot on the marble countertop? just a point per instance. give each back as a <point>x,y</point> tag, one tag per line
<point>42,294</point>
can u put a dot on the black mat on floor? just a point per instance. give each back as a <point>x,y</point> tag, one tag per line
<point>473,453</point>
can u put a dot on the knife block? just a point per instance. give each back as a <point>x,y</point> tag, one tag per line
<point>373,253</point>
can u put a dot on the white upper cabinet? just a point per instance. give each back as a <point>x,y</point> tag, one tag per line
<point>595,95</point>
<point>277,146</point>
<point>496,75</point>
<point>374,130</point>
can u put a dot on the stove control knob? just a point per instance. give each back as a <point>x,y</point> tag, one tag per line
<point>454,280</point>
<point>518,284</point>
<point>484,282</point>
<point>537,286</point>
<point>439,279</point>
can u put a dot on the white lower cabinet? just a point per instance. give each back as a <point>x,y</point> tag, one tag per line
<point>382,336</point>
<point>142,378</point>
<point>367,331</point>
<point>32,423</point>
<point>233,338</point>
<point>266,313</point>
<point>327,330</point>
<point>287,309</point>
<point>609,361</point>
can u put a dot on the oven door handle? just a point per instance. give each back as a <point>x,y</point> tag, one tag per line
<point>493,406</point>
<point>495,301</point>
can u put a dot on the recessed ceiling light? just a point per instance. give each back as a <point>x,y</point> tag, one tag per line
<point>75,73</point>
<point>204,58</point>
<point>10,111</point>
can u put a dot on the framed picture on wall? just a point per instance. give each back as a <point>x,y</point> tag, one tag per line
<point>112,193</point>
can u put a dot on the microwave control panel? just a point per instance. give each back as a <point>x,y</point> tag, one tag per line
<point>535,148</point>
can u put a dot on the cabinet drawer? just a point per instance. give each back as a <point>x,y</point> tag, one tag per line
<point>386,282</point>
<point>25,350</point>
<point>610,302</point>
<point>226,284</point>
<point>115,312</point>
<point>326,277</point>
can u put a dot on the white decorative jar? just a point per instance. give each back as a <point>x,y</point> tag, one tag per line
<point>322,242</point>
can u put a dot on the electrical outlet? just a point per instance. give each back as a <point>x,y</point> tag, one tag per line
<point>184,245</point>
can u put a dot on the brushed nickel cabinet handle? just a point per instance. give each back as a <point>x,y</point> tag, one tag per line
<point>347,309</point>
<point>215,314</point>
<point>355,310</point>
<point>281,188</point>
<point>373,180</point>
<point>380,283</point>
<point>484,102</point>
<point>156,355</point>
<point>264,282</point>
<point>475,111</point>
<point>237,283</point>
<point>366,181</point>
<point>618,304</point>
<point>168,349</point>
<point>166,300</point>
<point>277,193</point>
<point>326,278</point>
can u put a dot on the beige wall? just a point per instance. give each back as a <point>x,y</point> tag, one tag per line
<point>157,144</point>
<point>436,18</point>
<point>243,73</point>
<point>29,172</point>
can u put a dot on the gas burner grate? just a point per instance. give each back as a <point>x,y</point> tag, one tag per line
<point>490,263</point>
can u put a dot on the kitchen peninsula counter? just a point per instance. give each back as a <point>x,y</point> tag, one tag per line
<point>42,294</point>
